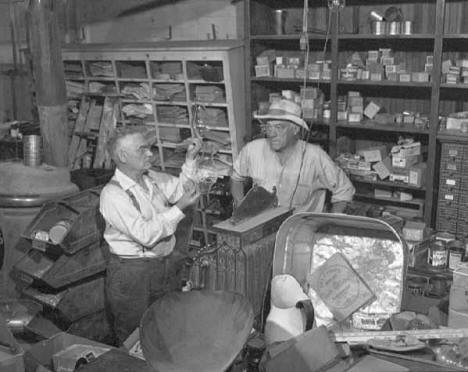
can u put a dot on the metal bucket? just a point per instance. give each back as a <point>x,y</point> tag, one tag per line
<point>32,150</point>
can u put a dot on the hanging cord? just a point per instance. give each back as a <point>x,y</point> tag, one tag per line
<point>305,36</point>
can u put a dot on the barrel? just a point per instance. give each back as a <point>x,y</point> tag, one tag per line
<point>23,190</point>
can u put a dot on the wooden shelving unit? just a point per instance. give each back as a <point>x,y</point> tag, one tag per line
<point>169,82</point>
<point>439,31</point>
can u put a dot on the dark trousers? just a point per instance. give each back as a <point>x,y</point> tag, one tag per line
<point>132,285</point>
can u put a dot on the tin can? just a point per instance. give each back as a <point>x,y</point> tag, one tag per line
<point>394,28</point>
<point>456,251</point>
<point>378,27</point>
<point>59,231</point>
<point>407,27</point>
<point>437,257</point>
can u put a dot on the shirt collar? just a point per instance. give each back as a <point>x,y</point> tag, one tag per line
<point>124,181</point>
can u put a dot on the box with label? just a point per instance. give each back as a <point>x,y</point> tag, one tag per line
<point>284,72</point>
<point>374,154</point>
<point>383,168</point>
<point>405,78</point>
<point>408,149</point>
<point>263,60</point>
<point>371,110</point>
<point>414,231</point>
<point>417,174</point>
<point>399,177</point>
<point>405,161</point>
<point>420,77</point>
<point>354,117</point>
<point>382,193</point>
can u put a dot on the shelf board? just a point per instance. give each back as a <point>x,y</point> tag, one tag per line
<point>386,183</point>
<point>201,81</point>
<point>386,83</point>
<point>452,136</point>
<point>416,201</point>
<point>385,37</point>
<point>170,103</point>
<point>456,36</point>
<point>75,78</point>
<point>173,125</point>
<point>210,127</point>
<point>146,80</point>
<point>284,80</point>
<point>209,104</point>
<point>168,81</point>
<point>454,86</point>
<point>389,127</point>
<point>311,35</point>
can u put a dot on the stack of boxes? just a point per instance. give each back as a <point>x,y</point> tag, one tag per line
<point>402,165</point>
<point>312,103</point>
<point>270,64</point>
<point>381,65</point>
<point>455,74</point>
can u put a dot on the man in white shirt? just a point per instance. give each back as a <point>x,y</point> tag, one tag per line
<point>301,172</point>
<point>142,209</point>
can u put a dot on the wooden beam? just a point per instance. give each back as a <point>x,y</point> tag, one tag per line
<point>49,80</point>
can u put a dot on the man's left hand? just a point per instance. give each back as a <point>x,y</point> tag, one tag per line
<point>193,148</point>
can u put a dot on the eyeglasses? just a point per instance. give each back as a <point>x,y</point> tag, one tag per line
<point>277,127</point>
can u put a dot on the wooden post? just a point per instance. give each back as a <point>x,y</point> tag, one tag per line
<point>49,80</point>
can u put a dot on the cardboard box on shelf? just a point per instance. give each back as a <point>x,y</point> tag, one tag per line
<point>405,161</point>
<point>417,174</point>
<point>414,231</point>
<point>262,70</point>
<point>371,110</point>
<point>408,149</point>
<point>383,168</point>
<point>374,154</point>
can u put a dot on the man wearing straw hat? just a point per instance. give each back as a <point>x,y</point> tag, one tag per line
<point>300,172</point>
<point>142,210</point>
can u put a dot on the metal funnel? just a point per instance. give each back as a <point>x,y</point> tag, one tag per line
<point>195,331</point>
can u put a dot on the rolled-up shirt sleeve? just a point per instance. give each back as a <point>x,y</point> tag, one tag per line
<point>173,187</point>
<point>335,179</point>
<point>118,210</point>
<point>241,166</point>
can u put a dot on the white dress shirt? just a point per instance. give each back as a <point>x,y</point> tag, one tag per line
<point>149,232</point>
<point>305,192</point>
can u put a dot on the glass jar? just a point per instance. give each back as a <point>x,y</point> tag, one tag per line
<point>437,257</point>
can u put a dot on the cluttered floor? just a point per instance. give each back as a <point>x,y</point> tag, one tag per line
<point>339,299</point>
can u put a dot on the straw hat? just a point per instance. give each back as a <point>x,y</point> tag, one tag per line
<point>284,110</point>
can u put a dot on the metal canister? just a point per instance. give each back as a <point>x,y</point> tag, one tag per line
<point>456,251</point>
<point>394,28</point>
<point>378,27</point>
<point>407,27</point>
<point>437,257</point>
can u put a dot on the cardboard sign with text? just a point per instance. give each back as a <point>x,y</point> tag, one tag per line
<point>340,287</point>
